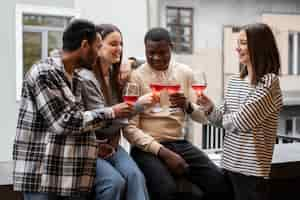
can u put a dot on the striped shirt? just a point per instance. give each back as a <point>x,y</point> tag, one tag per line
<point>250,116</point>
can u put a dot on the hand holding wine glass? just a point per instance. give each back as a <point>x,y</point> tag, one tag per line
<point>156,88</point>
<point>130,95</point>
<point>200,83</point>
<point>176,98</point>
<point>206,103</point>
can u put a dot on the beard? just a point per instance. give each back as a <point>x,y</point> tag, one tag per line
<point>87,60</point>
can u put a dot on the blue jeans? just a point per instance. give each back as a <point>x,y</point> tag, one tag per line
<point>117,176</point>
<point>51,196</point>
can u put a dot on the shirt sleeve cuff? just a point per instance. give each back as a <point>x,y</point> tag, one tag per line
<point>113,115</point>
<point>138,107</point>
<point>154,147</point>
<point>212,114</point>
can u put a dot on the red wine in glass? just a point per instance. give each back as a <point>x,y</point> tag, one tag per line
<point>130,99</point>
<point>199,88</point>
<point>157,87</point>
<point>173,88</point>
<point>200,83</point>
<point>131,93</point>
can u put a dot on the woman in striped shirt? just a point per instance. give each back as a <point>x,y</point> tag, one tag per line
<point>250,113</point>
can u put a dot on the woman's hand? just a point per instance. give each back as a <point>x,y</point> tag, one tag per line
<point>123,110</point>
<point>206,103</point>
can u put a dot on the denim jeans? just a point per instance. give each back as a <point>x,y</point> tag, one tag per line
<point>118,177</point>
<point>203,174</point>
<point>52,196</point>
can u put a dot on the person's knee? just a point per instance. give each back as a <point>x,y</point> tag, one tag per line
<point>134,174</point>
<point>114,183</point>
<point>117,183</point>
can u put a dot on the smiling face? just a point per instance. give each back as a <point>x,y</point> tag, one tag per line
<point>158,54</point>
<point>242,48</point>
<point>112,46</point>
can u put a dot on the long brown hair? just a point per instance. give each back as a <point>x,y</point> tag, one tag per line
<point>104,30</point>
<point>263,51</point>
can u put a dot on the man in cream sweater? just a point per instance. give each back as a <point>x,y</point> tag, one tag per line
<point>159,147</point>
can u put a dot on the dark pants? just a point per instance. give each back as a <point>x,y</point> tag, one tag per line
<point>203,175</point>
<point>248,187</point>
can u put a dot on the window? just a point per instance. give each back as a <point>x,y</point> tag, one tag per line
<point>294,53</point>
<point>41,34</point>
<point>180,25</point>
<point>38,31</point>
<point>292,127</point>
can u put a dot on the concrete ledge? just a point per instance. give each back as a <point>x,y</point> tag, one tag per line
<point>6,170</point>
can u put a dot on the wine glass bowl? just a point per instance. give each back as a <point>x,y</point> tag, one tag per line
<point>200,83</point>
<point>131,93</point>
<point>156,89</point>
<point>173,88</point>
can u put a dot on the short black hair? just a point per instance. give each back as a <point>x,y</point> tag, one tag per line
<point>158,34</point>
<point>76,31</point>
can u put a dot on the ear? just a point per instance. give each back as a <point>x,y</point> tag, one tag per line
<point>84,44</point>
<point>171,45</point>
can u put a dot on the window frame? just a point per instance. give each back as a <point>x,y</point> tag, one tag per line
<point>179,24</point>
<point>294,126</point>
<point>23,9</point>
<point>293,56</point>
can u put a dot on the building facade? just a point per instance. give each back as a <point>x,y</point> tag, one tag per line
<point>203,31</point>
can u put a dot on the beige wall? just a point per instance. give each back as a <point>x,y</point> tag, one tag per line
<point>209,61</point>
<point>281,25</point>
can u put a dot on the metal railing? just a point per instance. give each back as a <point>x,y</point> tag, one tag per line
<point>286,139</point>
<point>212,138</point>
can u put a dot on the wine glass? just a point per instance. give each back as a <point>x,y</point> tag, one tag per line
<point>200,83</point>
<point>131,93</point>
<point>173,87</point>
<point>156,88</point>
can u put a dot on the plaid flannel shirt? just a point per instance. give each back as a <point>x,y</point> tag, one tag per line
<point>54,148</point>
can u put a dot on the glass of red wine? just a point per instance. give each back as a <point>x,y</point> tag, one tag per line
<point>173,87</point>
<point>156,88</point>
<point>200,83</point>
<point>131,93</point>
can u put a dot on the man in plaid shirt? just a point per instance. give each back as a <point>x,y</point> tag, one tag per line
<point>55,150</point>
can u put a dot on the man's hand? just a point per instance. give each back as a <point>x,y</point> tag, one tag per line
<point>146,100</point>
<point>123,110</point>
<point>174,162</point>
<point>177,100</point>
<point>105,150</point>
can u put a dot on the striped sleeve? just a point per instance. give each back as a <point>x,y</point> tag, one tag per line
<point>216,116</point>
<point>259,106</point>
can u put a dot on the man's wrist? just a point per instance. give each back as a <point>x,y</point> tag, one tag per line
<point>209,110</point>
<point>189,108</point>
<point>163,152</point>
